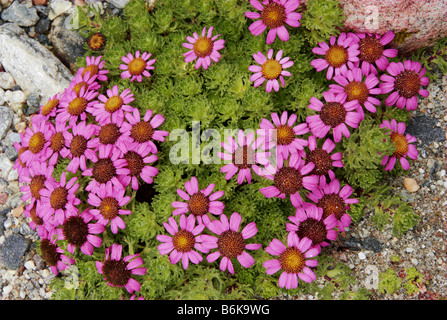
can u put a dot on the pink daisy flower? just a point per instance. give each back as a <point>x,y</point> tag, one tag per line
<point>402,143</point>
<point>83,80</point>
<point>372,51</point>
<point>289,180</point>
<point>230,242</point>
<point>53,254</point>
<point>80,233</point>
<point>185,241</point>
<point>39,172</point>
<point>95,67</point>
<point>352,83</point>
<point>322,157</point>
<point>73,106</point>
<point>112,106</point>
<point>78,146</point>
<point>282,134</point>
<point>341,53</point>
<point>36,140</point>
<point>57,142</point>
<point>19,165</point>
<point>293,259</point>
<point>308,222</point>
<point>405,80</point>
<point>137,67</point>
<point>138,157</point>
<point>335,114</point>
<point>50,108</point>
<point>274,14</point>
<point>270,69</point>
<point>204,48</point>
<point>58,199</point>
<point>118,271</point>
<point>198,202</point>
<point>143,131</point>
<point>108,205</point>
<point>245,154</point>
<point>334,201</point>
<point>107,171</point>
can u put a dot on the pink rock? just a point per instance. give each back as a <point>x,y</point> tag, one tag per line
<point>419,23</point>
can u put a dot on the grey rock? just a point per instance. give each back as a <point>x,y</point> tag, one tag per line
<point>11,138</point>
<point>12,251</point>
<point>11,153</point>
<point>31,64</point>
<point>33,102</point>
<point>352,243</point>
<point>6,81</point>
<point>5,166</point>
<point>21,14</point>
<point>6,117</point>
<point>68,45</point>
<point>118,3</point>
<point>42,26</point>
<point>424,128</point>
<point>372,244</point>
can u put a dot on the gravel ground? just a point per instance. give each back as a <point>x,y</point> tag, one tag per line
<point>24,275</point>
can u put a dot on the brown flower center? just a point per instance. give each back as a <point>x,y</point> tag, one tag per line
<point>77,106</point>
<point>57,142</point>
<point>407,84</point>
<point>357,91</point>
<point>288,180</point>
<point>109,208</point>
<point>313,229</point>
<point>198,204</point>
<point>103,170</point>
<point>244,157</point>
<point>203,47</point>
<point>21,150</point>
<point>370,49</point>
<point>141,131</point>
<point>116,272</point>
<point>113,104</point>
<point>137,66</point>
<point>34,217</point>
<point>400,143</point>
<point>49,252</point>
<point>109,134</point>
<point>134,163</point>
<point>37,183</point>
<point>333,114</point>
<point>58,198</point>
<point>332,204</point>
<point>75,231</point>
<point>36,142</point>
<point>77,88</point>
<point>230,244</point>
<point>271,69</point>
<point>292,260</point>
<point>273,15</point>
<point>321,159</point>
<point>49,106</point>
<point>183,241</point>
<point>78,145</point>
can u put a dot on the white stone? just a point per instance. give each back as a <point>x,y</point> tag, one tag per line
<point>362,256</point>
<point>7,289</point>
<point>58,7</point>
<point>6,81</point>
<point>30,265</point>
<point>118,3</point>
<point>34,68</point>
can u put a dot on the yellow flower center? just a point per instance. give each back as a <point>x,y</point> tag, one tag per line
<point>77,106</point>
<point>113,104</point>
<point>49,106</point>
<point>292,260</point>
<point>271,69</point>
<point>183,241</point>
<point>203,47</point>
<point>109,208</point>
<point>336,56</point>
<point>401,144</point>
<point>93,69</point>
<point>284,135</point>
<point>357,91</point>
<point>36,142</point>
<point>77,88</point>
<point>137,66</point>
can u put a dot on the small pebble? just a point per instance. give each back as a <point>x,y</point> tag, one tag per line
<point>411,185</point>
<point>362,256</point>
